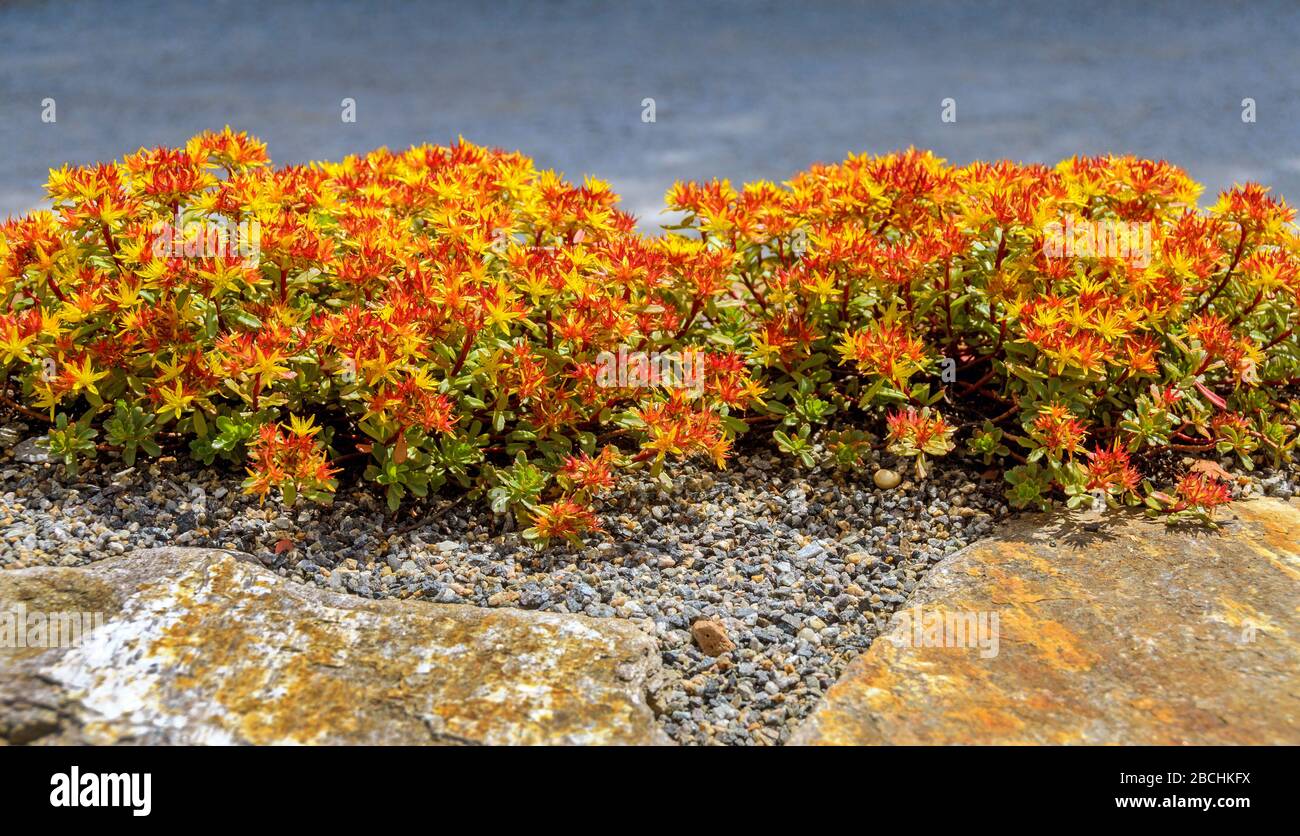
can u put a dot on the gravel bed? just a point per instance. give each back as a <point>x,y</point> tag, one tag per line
<point>802,569</point>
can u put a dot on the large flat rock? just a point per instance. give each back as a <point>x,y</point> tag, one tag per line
<point>1125,632</point>
<point>203,647</point>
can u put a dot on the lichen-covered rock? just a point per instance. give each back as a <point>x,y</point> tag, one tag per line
<point>204,646</point>
<point>1110,631</point>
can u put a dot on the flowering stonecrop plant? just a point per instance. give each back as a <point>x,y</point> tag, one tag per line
<point>914,434</point>
<point>932,293</point>
<point>429,317</point>
<point>444,316</point>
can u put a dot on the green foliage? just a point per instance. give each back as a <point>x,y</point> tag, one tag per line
<point>71,441</point>
<point>131,429</point>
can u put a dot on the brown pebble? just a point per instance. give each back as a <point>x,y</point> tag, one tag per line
<point>712,637</point>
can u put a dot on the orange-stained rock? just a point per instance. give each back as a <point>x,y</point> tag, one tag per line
<point>1129,633</point>
<point>201,647</point>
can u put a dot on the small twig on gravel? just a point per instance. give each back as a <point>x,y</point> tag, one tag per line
<point>17,407</point>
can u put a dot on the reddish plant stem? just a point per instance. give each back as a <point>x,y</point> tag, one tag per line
<point>1004,416</point>
<point>993,353</point>
<point>1002,336</point>
<point>112,247</point>
<point>758,297</point>
<point>1002,250</point>
<point>846,288</point>
<point>991,396</point>
<point>1279,338</point>
<point>1236,256</point>
<point>49,280</point>
<point>1245,312</point>
<point>967,388</point>
<point>690,317</point>
<point>464,352</point>
<point>30,413</point>
<point>947,301</point>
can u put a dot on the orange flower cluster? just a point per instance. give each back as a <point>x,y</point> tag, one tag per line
<point>913,433</point>
<point>1056,432</point>
<point>591,474</point>
<point>562,519</point>
<point>1111,471</point>
<point>886,350</point>
<point>1200,491</point>
<point>292,460</point>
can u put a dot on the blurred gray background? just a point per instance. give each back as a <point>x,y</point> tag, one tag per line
<point>744,90</point>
